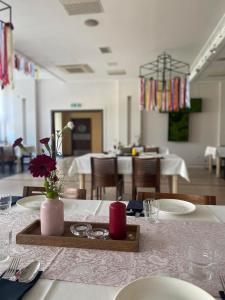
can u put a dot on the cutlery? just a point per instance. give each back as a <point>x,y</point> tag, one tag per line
<point>222,293</point>
<point>12,269</point>
<point>28,273</point>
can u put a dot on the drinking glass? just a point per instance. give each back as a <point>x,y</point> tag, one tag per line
<point>201,259</point>
<point>5,204</point>
<point>151,210</point>
<point>5,241</point>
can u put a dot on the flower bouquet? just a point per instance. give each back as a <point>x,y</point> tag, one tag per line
<point>44,165</point>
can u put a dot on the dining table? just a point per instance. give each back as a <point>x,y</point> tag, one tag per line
<point>72,273</point>
<point>171,165</point>
<point>215,153</point>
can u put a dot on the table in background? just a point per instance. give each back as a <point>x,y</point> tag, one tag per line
<point>215,153</point>
<point>171,165</point>
<point>46,289</point>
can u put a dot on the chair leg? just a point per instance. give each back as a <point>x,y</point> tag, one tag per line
<point>100,193</point>
<point>134,193</point>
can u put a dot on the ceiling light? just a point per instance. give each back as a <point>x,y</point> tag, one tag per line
<point>213,51</point>
<point>116,72</point>
<point>113,63</point>
<point>105,50</point>
<point>91,22</point>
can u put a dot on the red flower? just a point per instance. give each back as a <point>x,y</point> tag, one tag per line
<point>45,141</point>
<point>17,142</point>
<point>42,166</point>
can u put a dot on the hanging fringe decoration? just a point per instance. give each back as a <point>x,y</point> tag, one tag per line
<point>165,84</point>
<point>6,47</point>
<point>6,54</point>
<point>24,65</point>
<point>169,96</point>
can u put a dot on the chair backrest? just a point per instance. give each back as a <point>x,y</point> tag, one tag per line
<point>33,190</point>
<point>195,199</point>
<point>74,193</point>
<point>8,154</point>
<point>146,172</point>
<point>127,150</point>
<point>151,149</point>
<point>104,171</point>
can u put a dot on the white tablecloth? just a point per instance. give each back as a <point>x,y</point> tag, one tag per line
<point>215,151</point>
<point>53,289</point>
<point>170,165</point>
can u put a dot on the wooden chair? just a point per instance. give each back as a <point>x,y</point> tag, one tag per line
<point>70,193</point>
<point>7,157</point>
<point>104,174</point>
<point>33,190</point>
<point>146,173</point>
<point>127,151</point>
<point>74,193</point>
<point>151,149</point>
<point>195,199</point>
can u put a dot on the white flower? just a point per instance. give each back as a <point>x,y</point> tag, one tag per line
<point>69,125</point>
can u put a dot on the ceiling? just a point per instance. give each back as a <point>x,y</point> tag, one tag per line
<point>136,31</point>
<point>214,69</point>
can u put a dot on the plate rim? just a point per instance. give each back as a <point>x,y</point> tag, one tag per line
<point>24,206</point>
<point>163,277</point>
<point>178,213</point>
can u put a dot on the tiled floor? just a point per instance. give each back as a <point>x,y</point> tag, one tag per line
<point>202,183</point>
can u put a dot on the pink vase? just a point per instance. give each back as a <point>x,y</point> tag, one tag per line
<point>52,217</point>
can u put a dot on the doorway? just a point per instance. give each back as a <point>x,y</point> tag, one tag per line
<point>87,135</point>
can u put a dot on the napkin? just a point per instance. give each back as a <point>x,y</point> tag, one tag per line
<point>14,290</point>
<point>134,207</point>
<point>15,199</point>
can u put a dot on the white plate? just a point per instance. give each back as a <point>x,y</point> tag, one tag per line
<point>31,202</point>
<point>34,202</point>
<point>176,207</point>
<point>162,288</point>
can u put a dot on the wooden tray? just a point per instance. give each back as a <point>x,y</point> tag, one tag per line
<point>31,235</point>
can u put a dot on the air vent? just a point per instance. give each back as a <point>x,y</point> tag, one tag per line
<point>117,72</point>
<point>105,50</point>
<point>77,69</point>
<point>82,7</point>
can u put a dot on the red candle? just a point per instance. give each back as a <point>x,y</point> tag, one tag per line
<point>117,221</point>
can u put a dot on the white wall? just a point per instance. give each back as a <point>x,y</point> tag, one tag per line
<point>111,96</point>
<point>203,127</point>
<point>129,88</point>
<point>222,114</point>
<point>11,116</point>
<point>57,95</point>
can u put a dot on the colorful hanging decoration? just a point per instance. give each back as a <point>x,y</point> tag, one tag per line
<point>164,85</point>
<point>169,96</point>
<point>24,65</point>
<point>6,47</point>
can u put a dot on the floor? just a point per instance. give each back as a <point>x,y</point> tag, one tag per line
<point>202,183</point>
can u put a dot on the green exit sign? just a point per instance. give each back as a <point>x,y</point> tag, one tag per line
<point>75,105</point>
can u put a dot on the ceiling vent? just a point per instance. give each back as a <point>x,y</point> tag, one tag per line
<point>117,72</point>
<point>82,7</point>
<point>77,69</point>
<point>105,50</point>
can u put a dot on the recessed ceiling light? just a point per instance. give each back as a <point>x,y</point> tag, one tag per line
<point>113,63</point>
<point>91,22</point>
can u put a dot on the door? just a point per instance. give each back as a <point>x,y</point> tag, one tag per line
<point>81,137</point>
